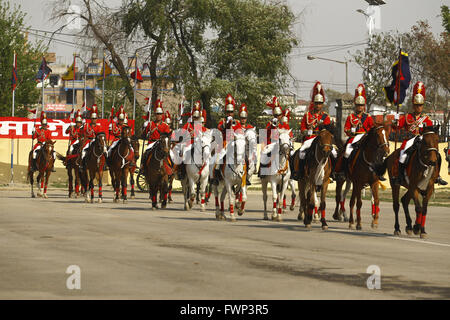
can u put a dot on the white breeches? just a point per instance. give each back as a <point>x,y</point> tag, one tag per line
<point>83,152</point>
<point>305,146</point>
<point>408,145</point>
<point>150,145</point>
<point>349,148</point>
<point>72,146</point>
<point>112,147</point>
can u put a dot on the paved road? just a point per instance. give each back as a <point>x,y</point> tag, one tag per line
<point>130,251</point>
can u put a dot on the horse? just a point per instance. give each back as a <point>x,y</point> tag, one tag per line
<point>135,144</point>
<point>119,163</point>
<point>155,169</point>
<point>364,166</point>
<point>71,162</point>
<point>44,164</point>
<point>317,175</point>
<point>278,179</point>
<point>233,172</point>
<point>422,169</point>
<point>196,161</point>
<point>92,167</point>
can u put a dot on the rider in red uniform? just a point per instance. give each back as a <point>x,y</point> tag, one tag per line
<point>90,131</point>
<point>413,123</point>
<point>310,127</point>
<point>115,129</point>
<point>74,131</point>
<point>42,134</point>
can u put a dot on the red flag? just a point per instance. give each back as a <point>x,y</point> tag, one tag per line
<point>139,76</point>
<point>14,73</point>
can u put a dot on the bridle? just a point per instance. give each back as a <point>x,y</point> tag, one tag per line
<point>427,150</point>
<point>379,146</point>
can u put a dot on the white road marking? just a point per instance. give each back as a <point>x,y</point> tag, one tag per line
<point>344,230</point>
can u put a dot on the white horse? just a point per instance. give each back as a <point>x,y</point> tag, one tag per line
<point>197,161</point>
<point>234,177</point>
<point>277,174</point>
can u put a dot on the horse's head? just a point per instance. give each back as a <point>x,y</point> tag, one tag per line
<point>135,144</point>
<point>126,132</point>
<point>239,146</point>
<point>285,141</point>
<point>325,140</point>
<point>48,147</point>
<point>377,140</point>
<point>429,147</point>
<point>100,139</point>
<point>164,142</point>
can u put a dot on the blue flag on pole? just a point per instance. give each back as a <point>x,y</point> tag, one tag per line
<point>44,71</point>
<point>405,78</point>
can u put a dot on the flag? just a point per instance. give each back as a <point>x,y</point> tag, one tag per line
<point>14,74</point>
<point>139,76</point>
<point>70,73</point>
<point>72,114</point>
<point>44,71</point>
<point>405,78</point>
<point>33,111</point>
<point>111,115</point>
<point>106,70</point>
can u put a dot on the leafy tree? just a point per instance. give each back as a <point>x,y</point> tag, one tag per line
<point>13,38</point>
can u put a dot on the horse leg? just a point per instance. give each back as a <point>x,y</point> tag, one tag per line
<point>91,186</point>
<point>425,199</point>
<point>69,173</point>
<point>100,187</point>
<point>203,185</point>
<point>396,207</point>
<point>274,199</point>
<point>243,200</point>
<point>31,178</point>
<point>375,204</point>
<point>216,196</point>
<point>192,192</point>
<point>163,192</point>
<point>339,185</point>
<point>302,196</point>
<point>124,184</point>
<point>222,202</point>
<point>47,175</point>
<point>309,208</point>
<point>231,201</point>
<point>419,214</point>
<point>132,195</point>
<point>154,194</point>
<point>264,191</point>
<point>351,221</point>
<point>358,208</point>
<point>343,216</point>
<point>293,196</point>
<point>323,194</point>
<point>405,204</point>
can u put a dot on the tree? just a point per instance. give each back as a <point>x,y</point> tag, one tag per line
<point>13,38</point>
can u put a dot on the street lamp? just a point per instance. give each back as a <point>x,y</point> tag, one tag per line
<point>337,61</point>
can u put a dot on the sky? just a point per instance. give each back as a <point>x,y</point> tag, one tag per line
<point>320,23</point>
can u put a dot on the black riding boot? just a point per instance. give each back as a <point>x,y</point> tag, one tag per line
<point>439,179</point>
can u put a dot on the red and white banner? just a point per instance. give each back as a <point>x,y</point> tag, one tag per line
<point>22,128</point>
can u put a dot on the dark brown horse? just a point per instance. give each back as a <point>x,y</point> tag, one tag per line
<point>119,162</point>
<point>422,169</point>
<point>363,169</point>
<point>71,162</point>
<point>155,170</point>
<point>44,164</point>
<point>92,167</point>
<point>317,175</point>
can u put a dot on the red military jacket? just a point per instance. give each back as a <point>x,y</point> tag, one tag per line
<point>414,123</point>
<point>223,126</point>
<point>42,134</point>
<point>116,130</point>
<point>246,126</point>
<point>189,127</point>
<point>89,131</point>
<point>153,129</point>
<point>74,133</point>
<point>362,124</point>
<point>311,122</point>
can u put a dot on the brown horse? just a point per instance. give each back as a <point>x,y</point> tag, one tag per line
<point>363,169</point>
<point>317,175</point>
<point>155,170</point>
<point>119,162</point>
<point>422,169</point>
<point>71,162</point>
<point>44,164</point>
<point>92,167</point>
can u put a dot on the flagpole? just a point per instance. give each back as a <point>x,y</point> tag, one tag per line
<point>135,80</point>
<point>73,81</point>
<point>103,85</point>
<point>12,140</point>
<point>399,68</point>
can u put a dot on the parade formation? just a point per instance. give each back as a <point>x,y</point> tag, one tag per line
<point>222,160</point>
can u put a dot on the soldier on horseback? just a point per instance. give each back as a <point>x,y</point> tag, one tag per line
<point>226,126</point>
<point>357,124</point>
<point>310,127</point>
<point>89,132</point>
<point>413,123</point>
<point>154,129</point>
<point>243,114</point>
<point>42,134</point>
<point>116,129</point>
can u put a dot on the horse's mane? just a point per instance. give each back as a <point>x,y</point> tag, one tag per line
<point>434,128</point>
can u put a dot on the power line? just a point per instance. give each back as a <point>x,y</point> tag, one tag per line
<point>327,50</point>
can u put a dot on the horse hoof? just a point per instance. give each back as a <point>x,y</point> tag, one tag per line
<point>45,196</point>
<point>233,218</point>
<point>325,227</point>
<point>409,231</point>
<point>241,212</point>
<point>92,201</point>
<point>125,201</point>
<point>202,209</point>
<point>39,195</point>
<point>374,225</point>
<point>99,200</point>
<point>308,226</point>
<point>154,208</point>
<point>266,218</point>
<point>278,219</point>
<point>358,227</point>
<point>292,208</point>
<point>351,226</point>
<point>416,229</point>
<point>397,233</point>
<point>86,201</point>
<point>423,235</point>
<point>132,197</point>
<point>170,201</point>
<point>336,217</point>
<point>33,196</point>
